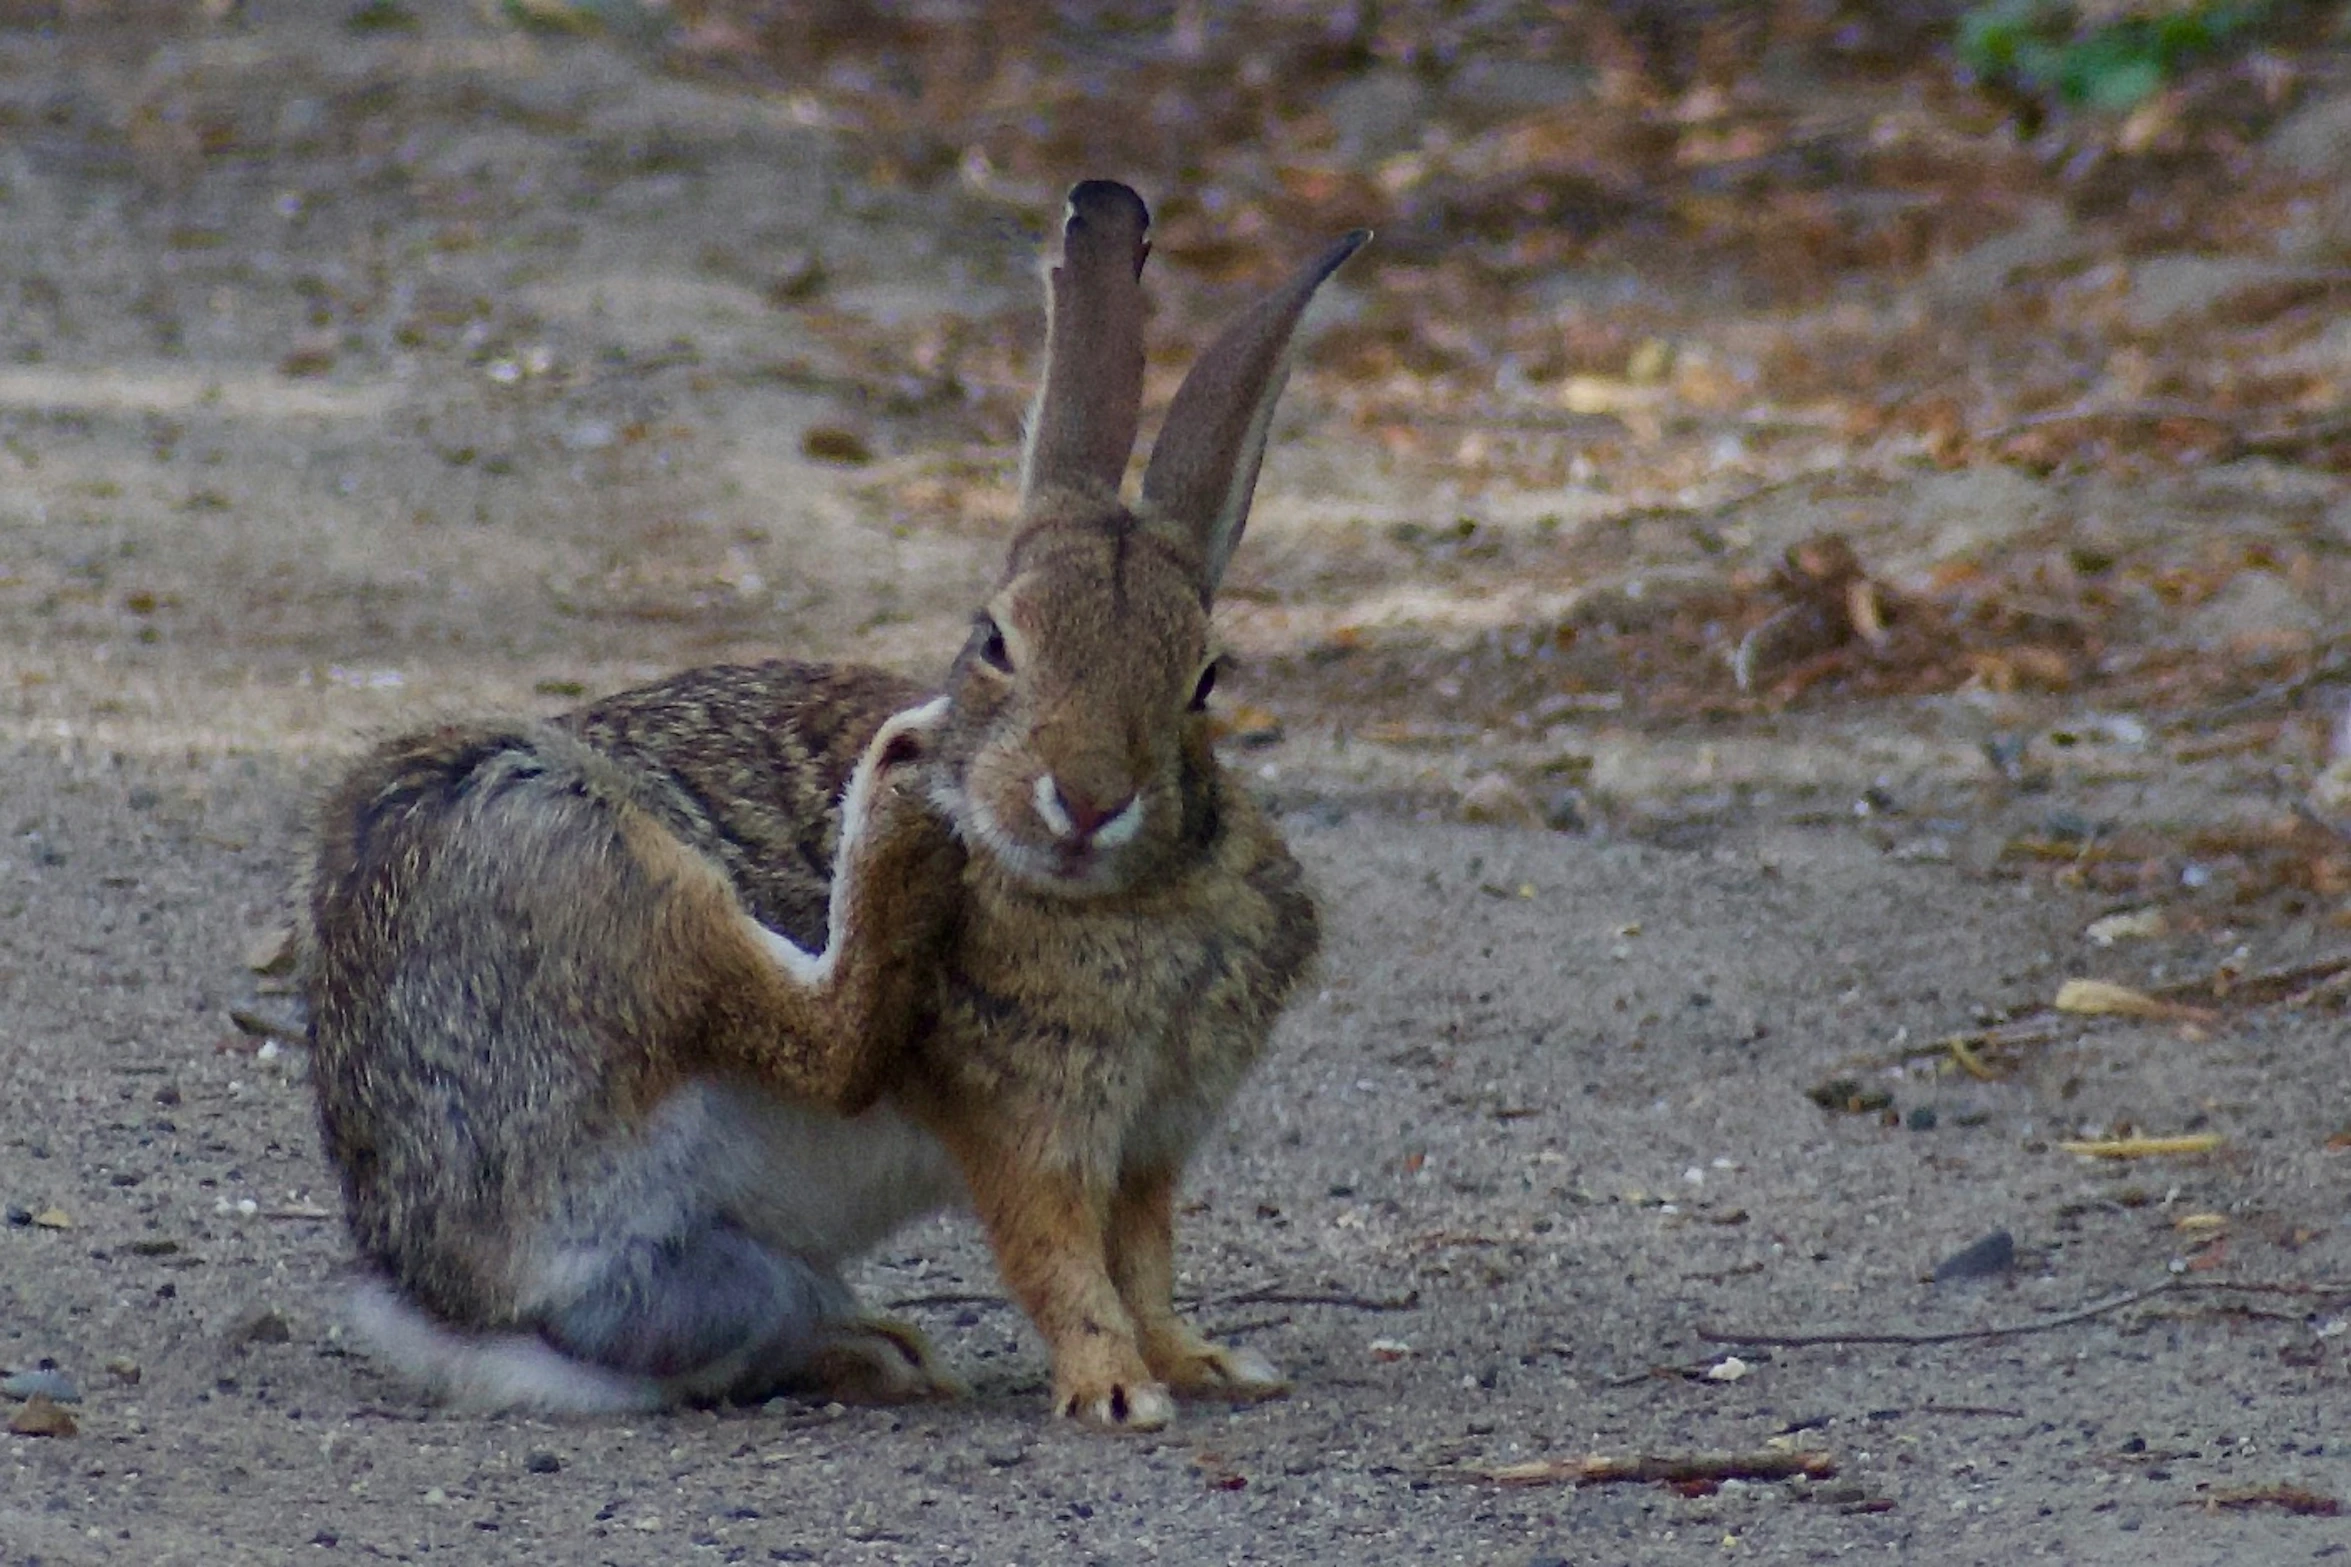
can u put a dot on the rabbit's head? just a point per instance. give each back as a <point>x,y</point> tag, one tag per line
<point>1075,755</point>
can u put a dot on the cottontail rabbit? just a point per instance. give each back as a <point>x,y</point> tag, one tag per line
<point>609,1138</point>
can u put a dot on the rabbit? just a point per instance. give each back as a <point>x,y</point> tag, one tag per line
<point>1046,1037</point>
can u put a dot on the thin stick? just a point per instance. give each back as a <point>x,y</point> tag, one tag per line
<point>1263,1295</point>
<point>2020,1329</point>
<point>2041,1022</point>
<point>1600,1469</point>
<point>1275,1295</point>
<point>910,1302</point>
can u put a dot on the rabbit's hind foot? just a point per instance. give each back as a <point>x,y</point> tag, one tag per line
<point>879,1360</point>
<point>1195,1368</point>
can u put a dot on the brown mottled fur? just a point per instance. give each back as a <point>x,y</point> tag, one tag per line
<point>534,988</point>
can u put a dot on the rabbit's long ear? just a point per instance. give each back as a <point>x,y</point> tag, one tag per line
<point>1083,424</point>
<point>1203,470</point>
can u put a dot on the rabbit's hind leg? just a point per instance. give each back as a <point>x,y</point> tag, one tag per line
<point>716,1314</point>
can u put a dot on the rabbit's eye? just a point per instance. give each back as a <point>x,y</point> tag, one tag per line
<point>993,652</point>
<point>1206,685</point>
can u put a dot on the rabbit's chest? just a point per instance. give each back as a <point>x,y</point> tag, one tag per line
<point>1119,1035</point>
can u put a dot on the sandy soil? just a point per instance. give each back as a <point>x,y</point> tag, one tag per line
<point>351,380</point>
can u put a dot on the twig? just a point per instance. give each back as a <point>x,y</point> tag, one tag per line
<point>911,1302</point>
<point>1968,1046</point>
<point>2252,990</point>
<point>1600,1469</point>
<point>1963,1052</point>
<point>1262,1295</point>
<point>2087,409</point>
<point>2293,1498</point>
<point>1249,1325</point>
<point>2020,1329</point>
<point>1275,1295</point>
<point>2041,1022</point>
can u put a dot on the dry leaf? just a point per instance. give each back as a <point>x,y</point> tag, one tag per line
<point>2099,998</point>
<point>2134,925</point>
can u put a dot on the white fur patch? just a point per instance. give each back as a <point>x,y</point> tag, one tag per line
<point>490,1371</point>
<point>813,969</point>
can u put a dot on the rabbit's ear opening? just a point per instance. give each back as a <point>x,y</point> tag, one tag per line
<point>1082,427</point>
<point>1203,471</point>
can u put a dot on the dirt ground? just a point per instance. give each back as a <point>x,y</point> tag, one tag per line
<point>349,379</point>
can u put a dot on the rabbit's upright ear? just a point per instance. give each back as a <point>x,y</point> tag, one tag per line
<point>1083,424</point>
<point>1203,470</point>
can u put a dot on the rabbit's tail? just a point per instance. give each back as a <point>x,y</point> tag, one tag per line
<point>492,1371</point>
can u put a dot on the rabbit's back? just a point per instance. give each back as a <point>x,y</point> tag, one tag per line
<point>746,763</point>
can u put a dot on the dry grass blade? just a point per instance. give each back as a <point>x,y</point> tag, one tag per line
<point>2176,1286</point>
<point>2143,1147</point>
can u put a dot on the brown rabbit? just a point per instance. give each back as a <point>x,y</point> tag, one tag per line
<point>1052,1038</point>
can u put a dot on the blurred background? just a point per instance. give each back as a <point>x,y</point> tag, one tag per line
<point>1933,413</point>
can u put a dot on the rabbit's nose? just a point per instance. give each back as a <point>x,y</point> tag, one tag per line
<point>1075,815</point>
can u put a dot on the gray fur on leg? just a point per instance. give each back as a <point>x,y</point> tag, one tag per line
<point>708,1314</point>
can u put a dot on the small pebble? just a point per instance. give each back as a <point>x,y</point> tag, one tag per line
<point>42,1382</point>
<point>1493,799</point>
<point>42,1417</point>
<point>543,1463</point>
<point>1994,1254</point>
<point>1004,1455</point>
<point>262,1325</point>
<point>18,1217</point>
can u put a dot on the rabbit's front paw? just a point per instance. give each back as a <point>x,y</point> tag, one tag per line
<point>1111,1392</point>
<point>1193,1366</point>
<point>880,1360</point>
